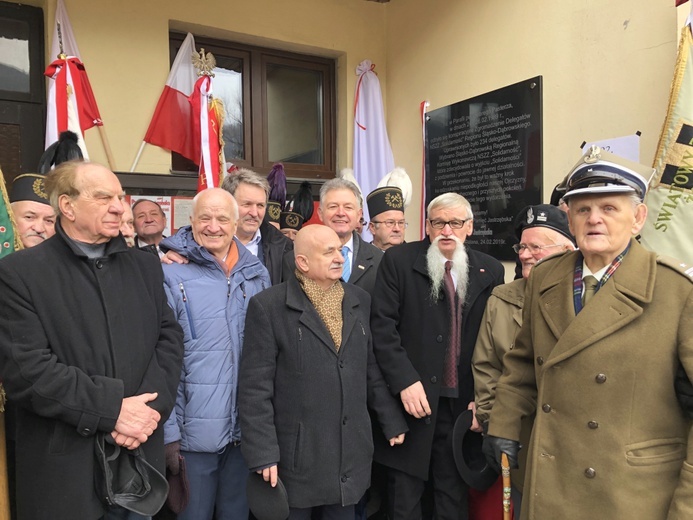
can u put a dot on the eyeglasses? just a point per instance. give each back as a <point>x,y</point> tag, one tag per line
<point>533,248</point>
<point>391,223</point>
<point>454,224</point>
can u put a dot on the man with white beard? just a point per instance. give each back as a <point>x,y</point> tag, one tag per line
<point>427,307</point>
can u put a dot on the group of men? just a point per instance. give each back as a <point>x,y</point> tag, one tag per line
<point>249,353</point>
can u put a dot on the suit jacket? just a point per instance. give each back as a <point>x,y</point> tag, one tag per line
<point>410,336</point>
<point>303,404</point>
<point>274,246</point>
<point>610,439</point>
<point>364,267</point>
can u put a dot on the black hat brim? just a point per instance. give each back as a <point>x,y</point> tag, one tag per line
<point>470,461</point>
<point>267,502</point>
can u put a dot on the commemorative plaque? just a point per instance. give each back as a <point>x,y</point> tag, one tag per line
<point>489,149</point>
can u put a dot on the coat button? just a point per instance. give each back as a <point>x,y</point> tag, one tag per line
<point>593,425</point>
<point>540,361</point>
<point>427,420</point>
<point>601,378</point>
<point>99,264</point>
<point>439,338</point>
<point>341,364</point>
<point>546,408</point>
<point>590,473</point>
<point>344,420</point>
<point>344,478</point>
<point>434,380</point>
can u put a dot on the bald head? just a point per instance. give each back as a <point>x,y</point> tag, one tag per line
<point>318,254</point>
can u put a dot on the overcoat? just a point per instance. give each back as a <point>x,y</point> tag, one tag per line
<point>410,336</point>
<point>610,439</point>
<point>77,335</point>
<point>274,246</point>
<point>501,323</point>
<point>303,404</point>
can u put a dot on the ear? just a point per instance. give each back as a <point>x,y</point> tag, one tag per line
<point>320,213</point>
<point>470,227</point>
<point>371,228</point>
<point>640,217</point>
<point>360,213</point>
<point>302,263</point>
<point>66,207</point>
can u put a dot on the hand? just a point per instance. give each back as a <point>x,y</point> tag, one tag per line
<point>269,474</point>
<point>136,418</point>
<point>494,446</point>
<point>126,442</point>
<point>397,440</point>
<point>172,451</point>
<point>172,257</point>
<point>414,400</point>
<point>475,427</point>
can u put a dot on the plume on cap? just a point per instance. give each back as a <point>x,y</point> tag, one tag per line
<point>302,201</point>
<point>348,175</point>
<point>64,149</point>
<point>399,179</point>
<point>277,182</point>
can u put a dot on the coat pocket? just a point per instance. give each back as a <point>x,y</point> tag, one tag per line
<point>656,451</point>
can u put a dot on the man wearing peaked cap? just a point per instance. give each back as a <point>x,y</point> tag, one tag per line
<point>605,329</point>
<point>541,230</point>
<point>386,210</point>
<point>290,223</point>
<point>33,213</point>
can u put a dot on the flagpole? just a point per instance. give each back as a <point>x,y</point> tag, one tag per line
<point>107,148</point>
<point>4,482</point>
<point>137,157</point>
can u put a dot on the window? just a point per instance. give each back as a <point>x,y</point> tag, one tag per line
<point>279,107</point>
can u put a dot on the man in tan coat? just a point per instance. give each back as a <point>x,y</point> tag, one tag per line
<point>542,231</point>
<point>604,330</point>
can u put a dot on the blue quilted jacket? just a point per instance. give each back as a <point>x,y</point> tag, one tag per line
<point>211,309</point>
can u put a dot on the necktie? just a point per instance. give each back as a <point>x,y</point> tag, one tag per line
<point>590,288</point>
<point>346,272</point>
<point>452,352</point>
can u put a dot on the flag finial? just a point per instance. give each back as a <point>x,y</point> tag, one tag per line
<point>204,63</point>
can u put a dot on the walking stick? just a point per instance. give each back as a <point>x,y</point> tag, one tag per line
<point>505,471</point>
<point>4,484</point>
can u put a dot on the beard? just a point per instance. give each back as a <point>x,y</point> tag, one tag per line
<point>435,261</point>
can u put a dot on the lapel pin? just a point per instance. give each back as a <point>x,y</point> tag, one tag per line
<point>361,267</point>
<point>482,270</point>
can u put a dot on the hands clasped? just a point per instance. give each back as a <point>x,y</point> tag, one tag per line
<point>136,422</point>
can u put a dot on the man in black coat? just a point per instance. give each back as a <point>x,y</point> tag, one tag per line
<point>428,303</point>
<point>88,345</point>
<point>307,374</point>
<point>340,209</point>
<point>262,239</point>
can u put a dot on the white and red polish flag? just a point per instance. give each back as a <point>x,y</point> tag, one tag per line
<point>207,129</point>
<point>171,126</point>
<point>71,102</point>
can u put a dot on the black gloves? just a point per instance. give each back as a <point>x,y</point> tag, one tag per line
<point>172,452</point>
<point>494,446</point>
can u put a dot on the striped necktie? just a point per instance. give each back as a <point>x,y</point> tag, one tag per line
<point>346,273</point>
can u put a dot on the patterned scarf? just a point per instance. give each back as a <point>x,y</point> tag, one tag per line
<point>328,304</point>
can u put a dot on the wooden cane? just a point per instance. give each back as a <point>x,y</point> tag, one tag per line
<point>505,471</point>
<point>4,483</point>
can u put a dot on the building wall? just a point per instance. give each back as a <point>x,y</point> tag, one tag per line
<point>606,67</point>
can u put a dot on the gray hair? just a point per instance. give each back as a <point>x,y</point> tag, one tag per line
<point>245,176</point>
<point>340,184</point>
<point>450,201</point>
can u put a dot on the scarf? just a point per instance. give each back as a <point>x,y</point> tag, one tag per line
<point>327,303</point>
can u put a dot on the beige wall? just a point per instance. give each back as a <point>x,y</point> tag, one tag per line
<point>124,46</point>
<point>606,66</point>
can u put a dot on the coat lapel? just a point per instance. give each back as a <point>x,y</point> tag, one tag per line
<point>349,305</point>
<point>617,303</point>
<point>297,299</point>
<point>363,260</point>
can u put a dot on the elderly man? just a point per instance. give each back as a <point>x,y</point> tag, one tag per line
<point>307,373</point>
<point>542,231</point>
<point>150,222</point>
<point>33,214</point>
<point>127,226</point>
<point>210,296</point>
<point>262,239</point>
<point>604,331</point>
<point>87,346</point>
<point>386,210</point>
<point>428,304</point>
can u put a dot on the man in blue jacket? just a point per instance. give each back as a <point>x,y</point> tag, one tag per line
<point>210,296</point>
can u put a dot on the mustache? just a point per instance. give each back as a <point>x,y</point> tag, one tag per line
<point>40,235</point>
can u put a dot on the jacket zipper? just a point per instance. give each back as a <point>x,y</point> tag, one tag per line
<point>187,310</point>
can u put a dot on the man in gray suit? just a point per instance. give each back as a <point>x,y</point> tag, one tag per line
<point>307,375</point>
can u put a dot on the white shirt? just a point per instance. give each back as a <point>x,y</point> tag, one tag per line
<point>598,275</point>
<point>254,243</point>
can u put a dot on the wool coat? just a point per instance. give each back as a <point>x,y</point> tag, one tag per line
<point>411,334</point>
<point>610,439</point>
<point>77,335</point>
<point>303,404</point>
<point>274,246</point>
